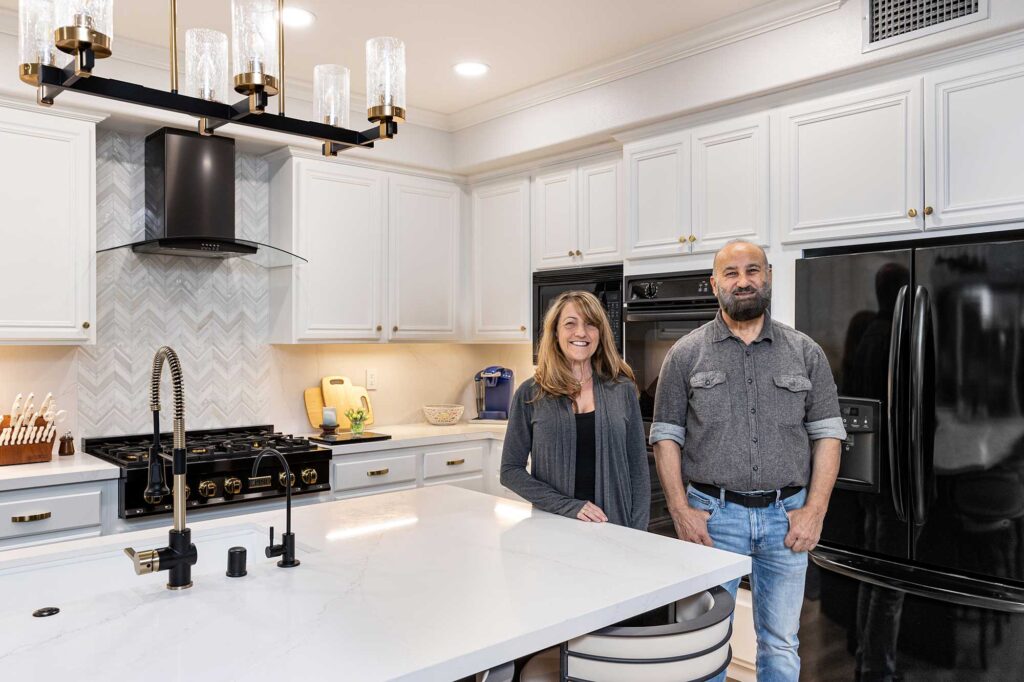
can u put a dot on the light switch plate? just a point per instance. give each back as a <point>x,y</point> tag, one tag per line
<point>371,380</point>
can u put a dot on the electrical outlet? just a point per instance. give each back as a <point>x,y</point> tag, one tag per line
<point>371,380</point>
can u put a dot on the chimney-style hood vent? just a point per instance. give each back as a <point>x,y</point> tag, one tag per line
<point>190,200</point>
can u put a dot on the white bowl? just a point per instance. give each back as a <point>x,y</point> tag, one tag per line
<point>443,415</point>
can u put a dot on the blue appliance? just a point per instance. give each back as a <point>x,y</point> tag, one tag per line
<point>494,387</point>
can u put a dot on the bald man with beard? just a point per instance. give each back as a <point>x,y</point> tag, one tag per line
<point>746,435</point>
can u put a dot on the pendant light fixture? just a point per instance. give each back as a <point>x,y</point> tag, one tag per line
<point>84,30</point>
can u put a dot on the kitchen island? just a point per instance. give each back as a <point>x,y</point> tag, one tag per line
<point>427,584</point>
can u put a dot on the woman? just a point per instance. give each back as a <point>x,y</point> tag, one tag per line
<point>579,419</point>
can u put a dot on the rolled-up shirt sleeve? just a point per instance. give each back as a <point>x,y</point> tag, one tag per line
<point>670,400</point>
<point>823,419</point>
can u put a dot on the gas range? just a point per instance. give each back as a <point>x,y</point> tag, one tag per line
<point>219,467</point>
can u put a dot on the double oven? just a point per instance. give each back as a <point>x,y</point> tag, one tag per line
<point>658,311</point>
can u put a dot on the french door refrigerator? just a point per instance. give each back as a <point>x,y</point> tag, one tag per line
<point>920,571</point>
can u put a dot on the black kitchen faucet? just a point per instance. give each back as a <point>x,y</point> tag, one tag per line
<point>287,547</point>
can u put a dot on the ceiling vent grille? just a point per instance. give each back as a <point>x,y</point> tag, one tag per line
<point>887,19</point>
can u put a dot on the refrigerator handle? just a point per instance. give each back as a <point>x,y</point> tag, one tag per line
<point>920,322</point>
<point>922,582</point>
<point>893,417</point>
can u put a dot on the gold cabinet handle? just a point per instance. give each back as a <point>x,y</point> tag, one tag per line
<point>522,327</point>
<point>85,325</point>
<point>578,252</point>
<point>379,327</point>
<point>378,472</point>
<point>928,210</point>
<point>912,213</point>
<point>395,328</point>
<point>570,253</point>
<point>455,462</point>
<point>30,517</point>
<point>692,239</point>
<point>682,240</point>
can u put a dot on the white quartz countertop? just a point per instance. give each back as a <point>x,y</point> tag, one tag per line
<point>415,435</point>
<point>428,584</point>
<point>77,468</point>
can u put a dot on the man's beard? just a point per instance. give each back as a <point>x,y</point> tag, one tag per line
<point>744,309</point>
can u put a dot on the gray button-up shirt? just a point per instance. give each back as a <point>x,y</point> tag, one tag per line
<point>744,415</point>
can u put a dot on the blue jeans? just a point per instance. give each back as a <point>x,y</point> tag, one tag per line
<point>777,578</point>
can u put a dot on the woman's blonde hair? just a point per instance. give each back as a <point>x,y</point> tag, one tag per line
<point>554,375</point>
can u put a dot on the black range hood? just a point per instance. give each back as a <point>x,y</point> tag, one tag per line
<point>190,199</point>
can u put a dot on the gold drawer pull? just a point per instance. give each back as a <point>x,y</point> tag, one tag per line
<point>30,517</point>
<point>378,472</point>
<point>455,462</point>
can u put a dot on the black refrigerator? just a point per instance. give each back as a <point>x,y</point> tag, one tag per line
<point>920,571</point>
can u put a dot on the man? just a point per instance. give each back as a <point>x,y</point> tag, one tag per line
<point>746,414</point>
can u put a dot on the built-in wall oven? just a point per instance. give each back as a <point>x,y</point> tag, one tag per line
<point>659,310</point>
<point>604,282</point>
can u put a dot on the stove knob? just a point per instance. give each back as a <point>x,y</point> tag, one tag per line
<point>153,499</point>
<point>309,476</point>
<point>291,480</point>
<point>233,486</point>
<point>207,488</point>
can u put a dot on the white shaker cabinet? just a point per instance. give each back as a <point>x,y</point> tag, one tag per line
<point>851,165</point>
<point>501,261</point>
<point>424,258</point>
<point>331,214</point>
<point>730,183</point>
<point>974,142</point>
<point>658,221</point>
<point>48,231</point>
<point>577,214</point>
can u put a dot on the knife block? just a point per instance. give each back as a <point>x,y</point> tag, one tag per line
<point>27,453</point>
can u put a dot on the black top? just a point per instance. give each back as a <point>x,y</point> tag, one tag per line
<point>586,458</point>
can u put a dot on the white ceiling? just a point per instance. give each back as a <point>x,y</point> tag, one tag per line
<point>525,42</point>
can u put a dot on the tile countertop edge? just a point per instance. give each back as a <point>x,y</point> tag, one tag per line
<point>77,468</point>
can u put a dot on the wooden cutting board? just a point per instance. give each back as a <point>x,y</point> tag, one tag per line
<point>314,398</point>
<point>361,399</point>
<point>336,391</point>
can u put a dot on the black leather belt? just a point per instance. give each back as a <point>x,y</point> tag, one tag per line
<point>758,500</point>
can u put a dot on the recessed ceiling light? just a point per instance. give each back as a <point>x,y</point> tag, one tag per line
<point>295,17</point>
<point>471,69</point>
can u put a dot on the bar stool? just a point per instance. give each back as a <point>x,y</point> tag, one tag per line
<point>694,645</point>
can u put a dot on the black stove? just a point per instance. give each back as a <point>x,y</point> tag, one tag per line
<point>219,467</point>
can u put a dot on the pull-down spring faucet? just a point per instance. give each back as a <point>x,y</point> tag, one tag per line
<point>180,554</point>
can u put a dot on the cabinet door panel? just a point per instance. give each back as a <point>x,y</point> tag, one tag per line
<point>600,211</point>
<point>974,140</point>
<point>501,261</point>
<point>659,197</point>
<point>554,219</point>
<point>48,232</point>
<point>340,229</point>
<point>424,258</point>
<point>730,183</point>
<point>852,165</point>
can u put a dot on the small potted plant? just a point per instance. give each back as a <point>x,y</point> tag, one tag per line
<point>357,419</point>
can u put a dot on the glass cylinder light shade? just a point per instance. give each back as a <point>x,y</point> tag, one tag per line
<point>206,64</point>
<point>385,79</point>
<point>35,39</point>
<point>93,15</point>
<point>254,45</point>
<point>331,94</point>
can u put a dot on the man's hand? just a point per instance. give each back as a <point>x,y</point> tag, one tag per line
<point>591,512</point>
<point>692,525</point>
<point>804,528</point>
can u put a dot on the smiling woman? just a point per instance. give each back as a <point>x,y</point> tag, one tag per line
<point>578,419</point>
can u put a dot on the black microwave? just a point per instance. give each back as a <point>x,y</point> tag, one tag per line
<point>604,282</point>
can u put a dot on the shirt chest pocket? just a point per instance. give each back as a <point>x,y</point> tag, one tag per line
<point>709,397</point>
<point>791,391</point>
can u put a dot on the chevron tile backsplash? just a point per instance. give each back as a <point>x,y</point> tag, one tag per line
<point>213,312</point>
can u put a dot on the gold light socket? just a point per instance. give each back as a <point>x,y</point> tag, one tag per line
<point>29,73</point>
<point>71,39</point>
<point>385,113</point>
<point>254,81</point>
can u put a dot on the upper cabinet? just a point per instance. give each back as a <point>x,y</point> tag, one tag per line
<point>48,259</point>
<point>424,258</point>
<point>331,214</point>
<point>658,221</point>
<point>852,164</point>
<point>501,261</point>
<point>974,142</point>
<point>577,214</point>
<point>730,183</point>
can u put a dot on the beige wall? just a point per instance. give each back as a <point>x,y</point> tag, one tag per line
<point>409,375</point>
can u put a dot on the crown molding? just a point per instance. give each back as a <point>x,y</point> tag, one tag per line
<point>725,31</point>
<point>31,106</point>
<point>296,152</point>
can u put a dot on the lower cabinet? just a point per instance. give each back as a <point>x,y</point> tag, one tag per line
<point>60,512</point>
<point>462,465</point>
<point>379,473</point>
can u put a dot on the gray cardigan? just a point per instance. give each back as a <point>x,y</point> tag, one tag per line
<point>546,430</point>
